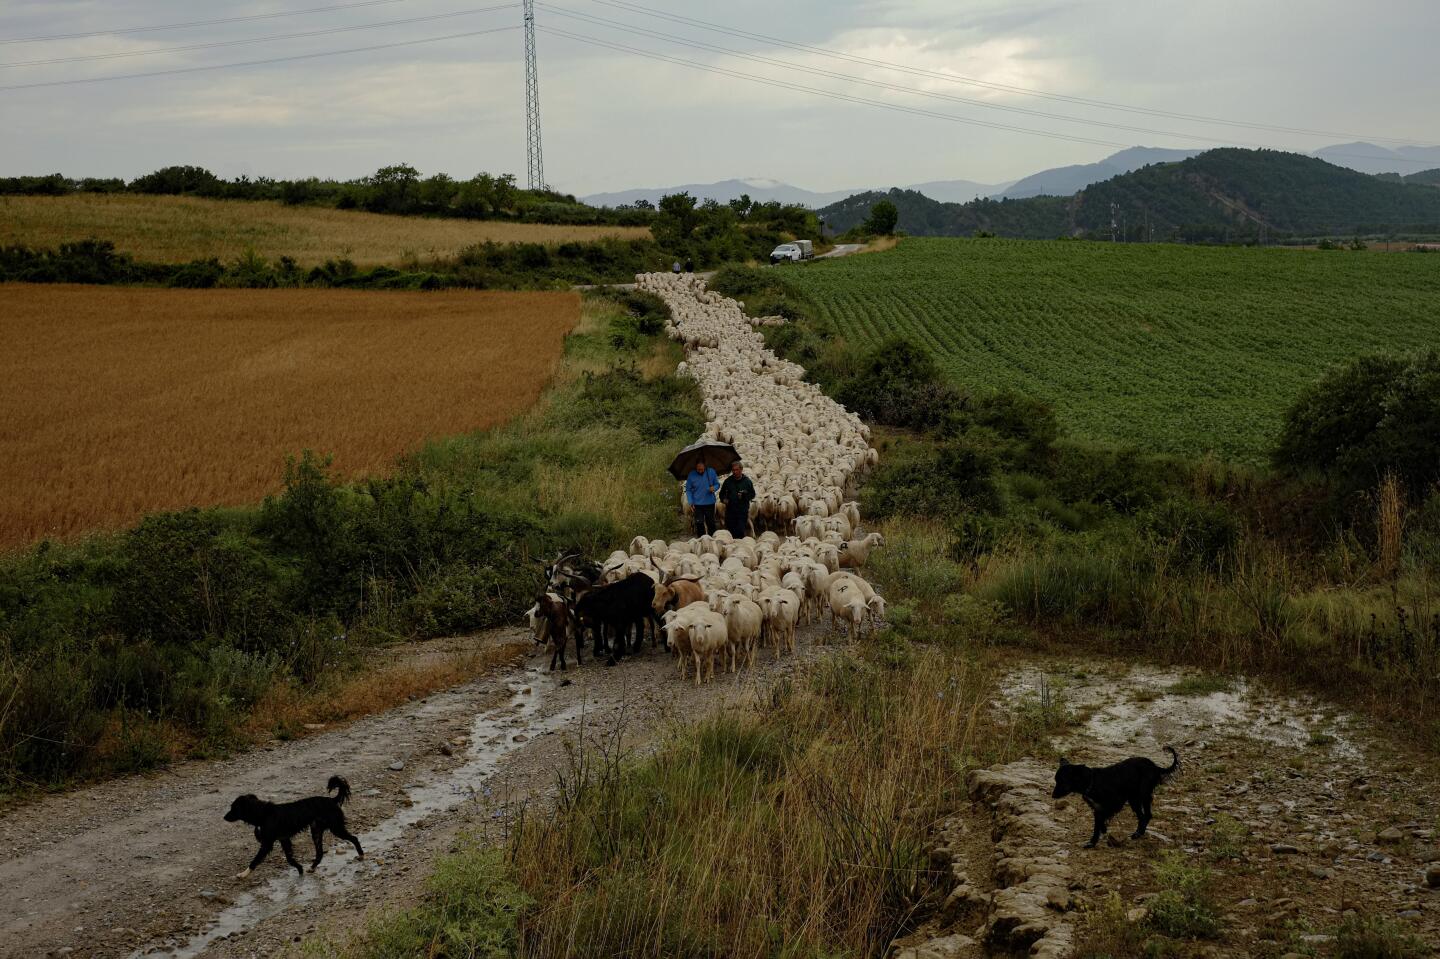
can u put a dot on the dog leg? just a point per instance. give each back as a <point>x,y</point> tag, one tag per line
<point>1142,815</point>
<point>1101,820</point>
<point>317,835</point>
<point>290,855</point>
<point>265,848</point>
<point>340,833</point>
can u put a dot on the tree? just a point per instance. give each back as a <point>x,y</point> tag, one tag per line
<point>883,217</point>
<point>676,221</point>
<point>1375,415</point>
<point>392,189</point>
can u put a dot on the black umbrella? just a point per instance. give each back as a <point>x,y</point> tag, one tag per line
<point>717,456</point>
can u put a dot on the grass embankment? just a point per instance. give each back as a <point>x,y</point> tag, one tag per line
<point>1165,348</point>
<point>196,632</point>
<point>1182,559</point>
<point>177,229</point>
<point>129,401</point>
<point>795,828</point>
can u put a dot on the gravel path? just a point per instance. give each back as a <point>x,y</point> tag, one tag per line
<point>146,865</point>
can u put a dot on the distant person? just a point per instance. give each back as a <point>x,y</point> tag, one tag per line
<point>700,488</point>
<point>675,268</point>
<point>737,493</point>
<point>689,265</point>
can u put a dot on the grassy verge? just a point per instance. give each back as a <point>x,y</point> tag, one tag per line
<point>795,827</point>
<point>198,632</point>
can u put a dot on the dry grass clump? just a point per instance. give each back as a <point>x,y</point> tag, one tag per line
<point>174,229</point>
<point>286,709</point>
<point>119,402</point>
<point>798,829</point>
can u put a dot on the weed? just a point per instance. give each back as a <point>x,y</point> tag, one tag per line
<point>1185,907</point>
<point>1228,838</point>
<point>1201,684</point>
<point>1374,937</point>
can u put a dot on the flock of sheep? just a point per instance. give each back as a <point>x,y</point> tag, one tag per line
<point>715,597</point>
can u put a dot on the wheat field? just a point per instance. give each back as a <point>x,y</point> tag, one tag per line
<point>117,402</point>
<point>173,229</point>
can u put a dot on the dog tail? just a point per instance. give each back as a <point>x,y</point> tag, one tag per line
<point>340,787</point>
<point>1174,767</point>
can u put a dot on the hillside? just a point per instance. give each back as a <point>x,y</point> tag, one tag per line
<point>1069,180</point>
<point>1222,194</point>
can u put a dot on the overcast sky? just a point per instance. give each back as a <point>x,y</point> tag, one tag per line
<point>616,119</point>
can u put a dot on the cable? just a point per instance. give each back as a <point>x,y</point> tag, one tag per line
<point>199,23</point>
<point>278,36</point>
<point>630,7</point>
<point>253,63</point>
<point>819,92</point>
<point>699,45</point>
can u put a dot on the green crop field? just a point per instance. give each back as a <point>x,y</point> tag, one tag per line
<point>1172,348</point>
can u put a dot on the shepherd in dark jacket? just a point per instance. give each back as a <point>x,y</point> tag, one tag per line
<point>737,493</point>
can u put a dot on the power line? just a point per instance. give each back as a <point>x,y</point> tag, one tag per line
<point>880,84</point>
<point>200,23</point>
<point>254,63</point>
<point>279,36</point>
<point>830,94</point>
<point>973,81</point>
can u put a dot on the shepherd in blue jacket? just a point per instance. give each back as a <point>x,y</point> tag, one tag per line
<point>700,487</point>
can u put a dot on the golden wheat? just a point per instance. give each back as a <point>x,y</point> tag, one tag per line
<point>172,229</point>
<point>118,402</point>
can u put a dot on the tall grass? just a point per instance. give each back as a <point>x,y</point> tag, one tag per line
<point>795,827</point>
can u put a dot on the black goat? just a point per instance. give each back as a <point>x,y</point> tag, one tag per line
<point>613,611</point>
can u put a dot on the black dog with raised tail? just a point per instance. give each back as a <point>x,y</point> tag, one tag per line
<point>1109,789</point>
<point>278,822</point>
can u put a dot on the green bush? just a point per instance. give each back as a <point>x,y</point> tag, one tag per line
<point>944,480</point>
<point>1198,534</point>
<point>1185,907</point>
<point>1375,415</point>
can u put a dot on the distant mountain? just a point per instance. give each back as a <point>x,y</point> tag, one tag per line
<point>762,191</point>
<point>1369,158</point>
<point>1069,180</point>
<point>956,191</point>
<point>1218,195</point>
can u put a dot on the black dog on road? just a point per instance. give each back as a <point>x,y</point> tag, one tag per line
<point>1107,790</point>
<point>278,822</point>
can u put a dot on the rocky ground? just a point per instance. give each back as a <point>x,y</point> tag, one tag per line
<point>1291,816</point>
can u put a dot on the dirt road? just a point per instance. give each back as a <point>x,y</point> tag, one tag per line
<point>1298,813</point>
<point>146,865</point>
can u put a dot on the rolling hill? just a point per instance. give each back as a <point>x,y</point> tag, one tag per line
<point>1218,195</point>
<point>1069,180</point>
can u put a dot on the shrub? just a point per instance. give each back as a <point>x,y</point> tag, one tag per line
<point>900,384</point>
<point>1374,937</point>
<point>1185,907</point>
<point>1375,415</point>
<point>1198,534</point>
<point>946,480</point>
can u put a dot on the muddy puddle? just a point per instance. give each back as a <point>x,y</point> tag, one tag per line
<point>1149,707</point>
<point>494,735</point>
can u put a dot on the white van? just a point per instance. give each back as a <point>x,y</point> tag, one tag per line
<point>793,252</point>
